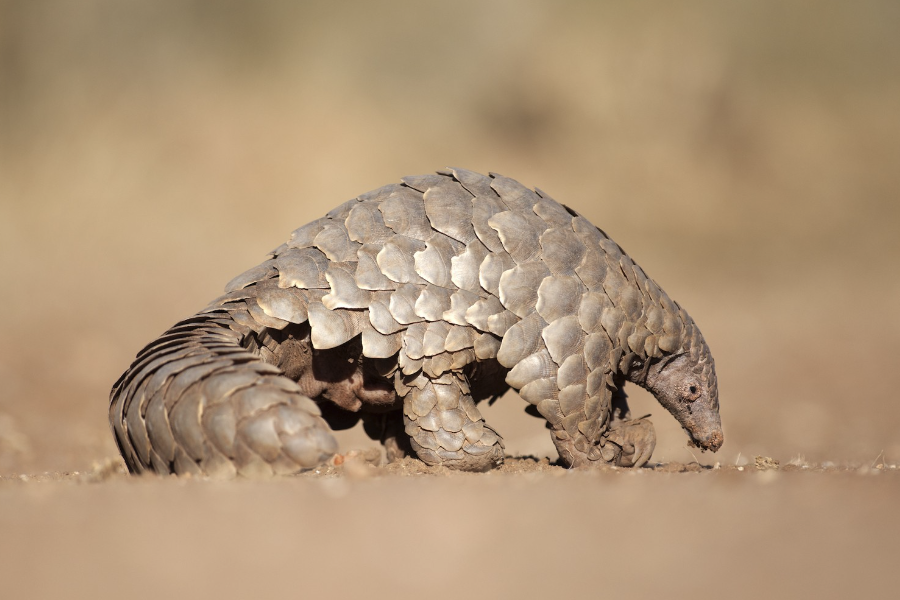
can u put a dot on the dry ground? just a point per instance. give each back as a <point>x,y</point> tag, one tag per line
<point>529,531</point>
<point>744,153</point>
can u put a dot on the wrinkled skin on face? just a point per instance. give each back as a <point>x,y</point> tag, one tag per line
<point>687,388</point>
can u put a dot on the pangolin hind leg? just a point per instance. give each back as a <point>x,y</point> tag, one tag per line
<point>445,426</point>
<point>388,429</point>
<point>347,386</point>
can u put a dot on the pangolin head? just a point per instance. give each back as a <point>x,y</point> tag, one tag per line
<point>685,384</point>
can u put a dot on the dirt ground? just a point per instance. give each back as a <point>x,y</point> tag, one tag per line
<point>529,531</point>
<point>744,153</point>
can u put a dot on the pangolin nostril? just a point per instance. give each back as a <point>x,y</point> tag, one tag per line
<point>714,441</point>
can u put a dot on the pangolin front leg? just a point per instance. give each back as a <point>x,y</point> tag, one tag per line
<point>635,437</point>
<point>613,438</point>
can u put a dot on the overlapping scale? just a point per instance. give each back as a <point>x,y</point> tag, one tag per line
<point>402,304</point>
<point>331,328</point>
<point>518,288</point>
<point>342,211</point>
<point>458,338</point>
<point>260,316</point>
<point>380,315</point>
<point>432,303</point>
<point>344,292</point>
<point>465,266</point>
<point>535,366</point>
<point>492,268</point>
<point>561,250</point>
<point>404,213</point>
<point>433,263</point>
<point>478,313</point>
<point>477,184</point>
<point>396,259</point>
<point>559,296</point>
<point>519,234</point>
<point>573,371</point>
<point>365,224</point>
<point>484,207</point>
<point>563,337</point>
<point>486,346</point>
<point>514,195</point>
<point>522,339</point>
<point>421,183</point>
<point>302,268</point>
<point>368,274</point>
<point>303,237</point>
<point>413,341</point>
<point>378,345</point>
<point>251,276</point>
<point>500,323</point>
<point>435,334</point>
<point>286,304</point>
<point>448,207</point>
<point>592,270</point>
<point>335,243</point>
<point>460,301</point>
<point>539,390</point>
<point>571,399</point>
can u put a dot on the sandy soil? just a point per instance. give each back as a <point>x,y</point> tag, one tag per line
<point>531,530</point>
<point>744,153</point>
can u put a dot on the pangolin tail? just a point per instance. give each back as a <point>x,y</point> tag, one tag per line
<point>200,400</point>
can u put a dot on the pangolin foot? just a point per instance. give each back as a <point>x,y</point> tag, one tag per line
<point>635,439</point>
<point>479,456</point>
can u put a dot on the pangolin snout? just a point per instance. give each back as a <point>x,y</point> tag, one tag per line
<point>712,441</point>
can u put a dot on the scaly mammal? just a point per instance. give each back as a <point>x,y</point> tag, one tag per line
<point>406,307</point>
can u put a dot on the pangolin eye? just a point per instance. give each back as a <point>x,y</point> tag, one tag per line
<point>693,389</point>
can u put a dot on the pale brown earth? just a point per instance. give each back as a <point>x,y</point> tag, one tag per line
<point>744,153</point>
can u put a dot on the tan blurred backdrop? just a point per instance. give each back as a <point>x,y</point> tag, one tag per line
<point>745,154</point>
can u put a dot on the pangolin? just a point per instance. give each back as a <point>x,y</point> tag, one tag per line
<point>404,308</point>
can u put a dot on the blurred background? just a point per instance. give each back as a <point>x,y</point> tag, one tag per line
<point>745,154</point>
